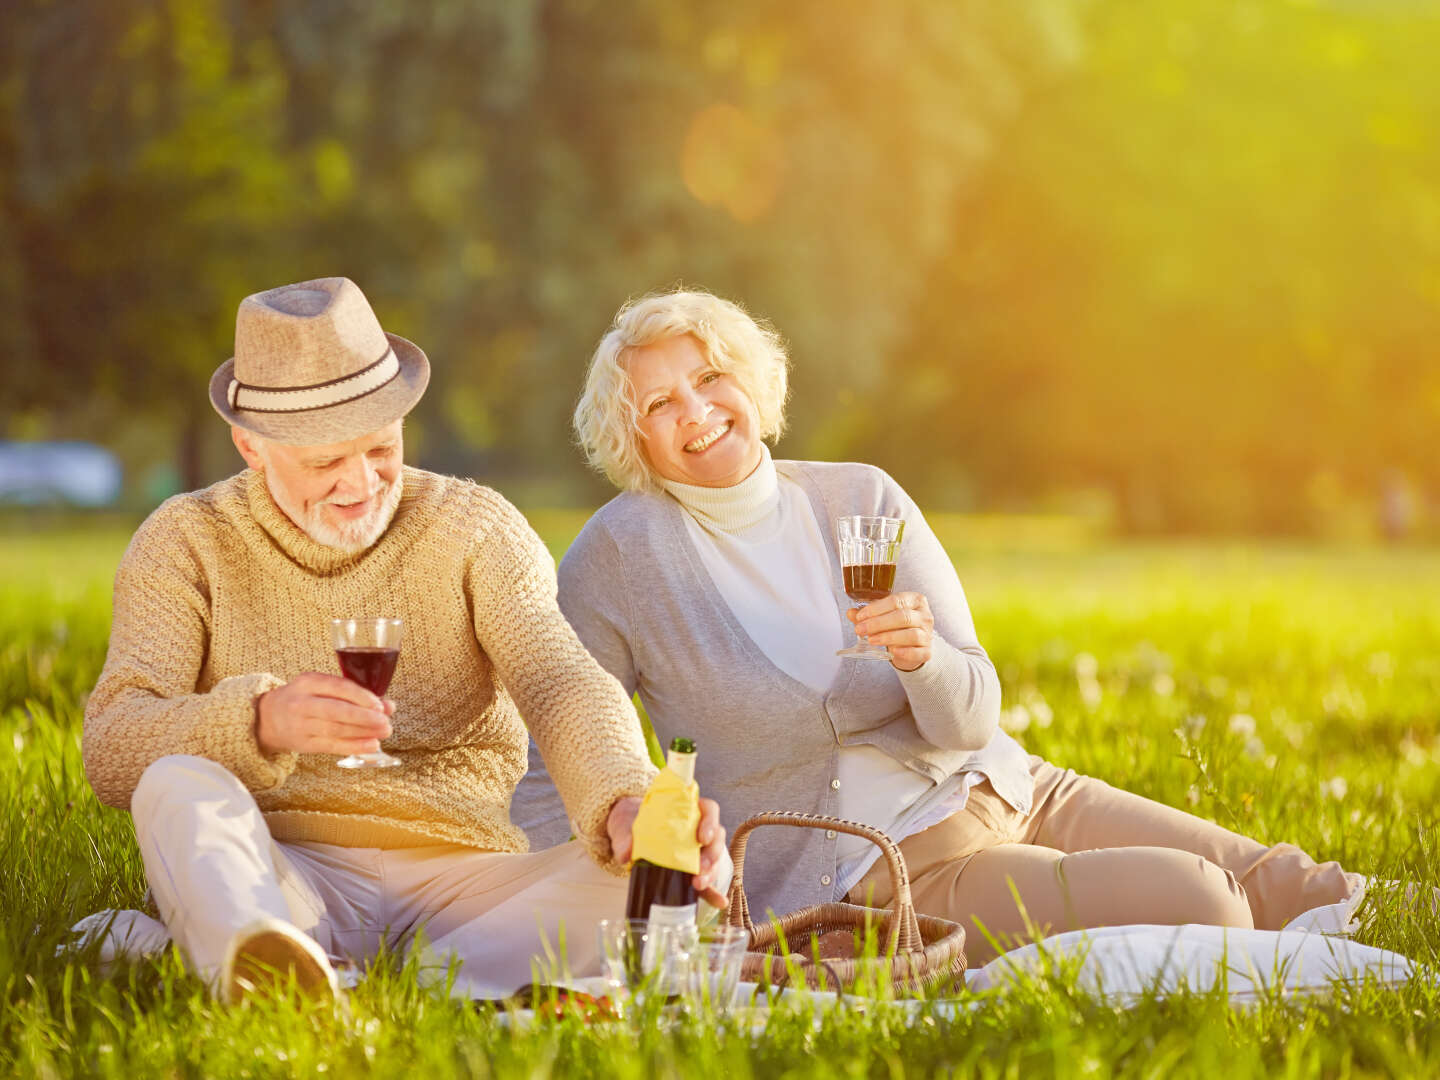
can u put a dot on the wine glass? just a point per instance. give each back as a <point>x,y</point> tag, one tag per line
<point>867,558</point>
<point>715,966</point>
<point>368,650</point>
<point>640,957</point>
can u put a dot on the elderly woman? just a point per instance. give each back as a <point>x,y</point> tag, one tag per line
<point>712,586</point>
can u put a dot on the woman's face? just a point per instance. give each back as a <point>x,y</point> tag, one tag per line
<point>697,426</point>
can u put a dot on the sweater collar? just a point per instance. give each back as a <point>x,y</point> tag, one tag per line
<point>735,509</point>
<point>298,546</point>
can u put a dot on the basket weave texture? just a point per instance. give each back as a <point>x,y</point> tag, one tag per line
<point>919,952</point>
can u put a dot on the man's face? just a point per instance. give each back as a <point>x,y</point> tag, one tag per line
<point>341,495</point>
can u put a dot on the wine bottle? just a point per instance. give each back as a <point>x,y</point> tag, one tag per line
<point>665,894</point>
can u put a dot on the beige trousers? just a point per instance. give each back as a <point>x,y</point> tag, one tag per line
<point>214,868</point>
<point>1090,855</point>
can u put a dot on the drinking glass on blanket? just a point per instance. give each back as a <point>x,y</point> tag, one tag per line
<point>640,957</point>
<point>715,967</point>
<point>868,546</point>
<point>368,650</point>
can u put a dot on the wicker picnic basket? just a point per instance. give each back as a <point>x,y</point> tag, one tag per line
<point>919,951</point>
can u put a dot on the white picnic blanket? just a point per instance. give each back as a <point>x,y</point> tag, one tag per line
<point>1125,963</point>
<point>1117,963</point>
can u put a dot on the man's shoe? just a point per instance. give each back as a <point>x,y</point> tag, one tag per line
<point>267,955</point>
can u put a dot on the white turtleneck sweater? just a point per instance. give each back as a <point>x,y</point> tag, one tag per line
<point>762,546</point>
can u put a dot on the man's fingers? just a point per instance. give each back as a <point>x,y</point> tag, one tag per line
<point>619,824</point>
<point>714,899</point>
<point>711,835</point>
<point>621,848</point>
<point>326,744</point>
<point>346,721</point>
<point>711,855</point>
<point>334,729</point>
<point>709,826</point>
<point>318,684</point>
<point>353,723</point>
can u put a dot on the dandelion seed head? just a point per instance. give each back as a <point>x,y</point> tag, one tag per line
<point>1410,750</point>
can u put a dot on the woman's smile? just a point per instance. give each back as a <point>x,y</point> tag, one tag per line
<point>709,439</point>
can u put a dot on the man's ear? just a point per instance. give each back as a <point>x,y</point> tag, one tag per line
<point>249,447</point>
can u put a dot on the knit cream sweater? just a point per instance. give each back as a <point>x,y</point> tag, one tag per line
<point>219,598</point>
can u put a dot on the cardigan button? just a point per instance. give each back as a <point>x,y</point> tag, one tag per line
<point>825,880</point>
<point>835,784</point>
<point>829,834</point>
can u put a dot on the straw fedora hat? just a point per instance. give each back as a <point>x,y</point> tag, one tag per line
<point>312,366</point>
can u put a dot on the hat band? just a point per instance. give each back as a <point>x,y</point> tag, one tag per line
<point>286,399</point>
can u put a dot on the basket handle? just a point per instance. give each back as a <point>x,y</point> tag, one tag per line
<point>904,932</point>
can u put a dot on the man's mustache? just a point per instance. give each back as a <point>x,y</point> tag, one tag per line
<point>337,500</point>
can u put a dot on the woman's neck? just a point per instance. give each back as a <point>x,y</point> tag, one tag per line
<point>734,509</point>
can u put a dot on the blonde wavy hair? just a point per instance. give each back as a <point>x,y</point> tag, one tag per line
<point>606,419</point>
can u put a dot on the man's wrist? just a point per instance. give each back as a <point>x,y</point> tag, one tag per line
<point>260,733</point>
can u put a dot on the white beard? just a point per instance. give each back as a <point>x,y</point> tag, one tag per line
<point>352,537</point>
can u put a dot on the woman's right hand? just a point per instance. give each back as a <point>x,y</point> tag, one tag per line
<point>903,623</point>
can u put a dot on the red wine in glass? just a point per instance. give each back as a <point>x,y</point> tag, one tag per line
<point>869,581</point>
<point>868,546</point>
<point>372,668</point>
<point>368,650</point>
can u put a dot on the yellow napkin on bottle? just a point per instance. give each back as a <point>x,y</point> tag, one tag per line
<point>664,831</point>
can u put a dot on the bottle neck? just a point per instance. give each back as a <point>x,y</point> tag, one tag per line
<point>681,764</point>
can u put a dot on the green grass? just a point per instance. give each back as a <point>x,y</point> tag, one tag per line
<point>1291,692</point>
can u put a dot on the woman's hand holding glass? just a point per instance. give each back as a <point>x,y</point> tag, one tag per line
<point>902,622</point>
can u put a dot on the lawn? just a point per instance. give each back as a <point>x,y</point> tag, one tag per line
<point>1292,692</point>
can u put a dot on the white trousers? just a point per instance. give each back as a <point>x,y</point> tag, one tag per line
<point>506,919</point>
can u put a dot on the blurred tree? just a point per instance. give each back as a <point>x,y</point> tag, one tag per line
<point>802,158</point>
<point>148,190</point>
<point>1181,252</point>
<point>498,177</point>
<point>1200,272</point>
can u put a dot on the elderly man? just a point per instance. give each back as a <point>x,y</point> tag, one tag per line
<point>217,718</point>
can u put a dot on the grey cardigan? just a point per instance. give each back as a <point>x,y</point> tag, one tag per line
<point>634,588</point>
